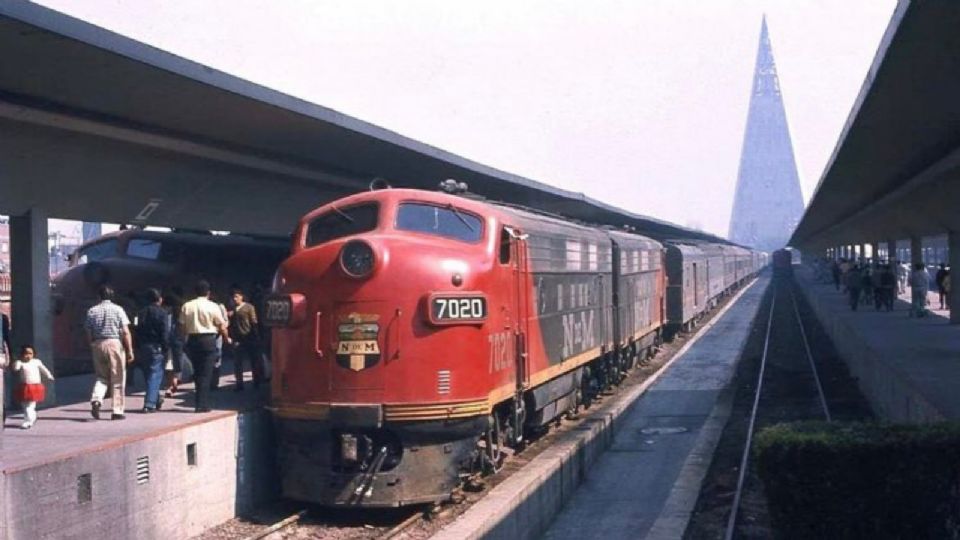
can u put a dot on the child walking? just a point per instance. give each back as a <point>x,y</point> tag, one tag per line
<point>31,389</point>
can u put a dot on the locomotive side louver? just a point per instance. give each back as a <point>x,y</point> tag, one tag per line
<point>443,381</point>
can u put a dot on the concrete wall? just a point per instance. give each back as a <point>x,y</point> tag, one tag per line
<point>234,471</point>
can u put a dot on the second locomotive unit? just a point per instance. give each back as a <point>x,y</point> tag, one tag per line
<point>418,333</point>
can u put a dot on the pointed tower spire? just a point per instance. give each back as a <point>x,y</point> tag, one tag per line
<point>768,203</point>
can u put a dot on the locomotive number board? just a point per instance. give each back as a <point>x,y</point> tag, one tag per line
<point>278,310</point>
<point>458,309</point>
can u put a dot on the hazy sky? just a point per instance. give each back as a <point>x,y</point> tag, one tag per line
<point>641,104</point>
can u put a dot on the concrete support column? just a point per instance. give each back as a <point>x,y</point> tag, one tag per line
<point>916,250</point>
<point>891,250</point>
<point>953,257</point>
<point>875,251</point>
<point>31,318</point>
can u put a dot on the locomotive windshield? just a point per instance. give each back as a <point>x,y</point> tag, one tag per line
<point>341,222</point>
<point>144,248</point>
<point>441,221</point>
<point>97,252</point>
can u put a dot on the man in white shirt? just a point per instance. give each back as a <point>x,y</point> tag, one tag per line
<point>201,321</point>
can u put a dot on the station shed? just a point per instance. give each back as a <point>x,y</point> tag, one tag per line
<point>892,185</point>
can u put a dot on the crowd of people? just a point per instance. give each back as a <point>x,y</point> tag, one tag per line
<point>879,283</point>
<point>159,340</point>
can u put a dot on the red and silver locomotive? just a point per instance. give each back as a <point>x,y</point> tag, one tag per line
<point>411,324</point>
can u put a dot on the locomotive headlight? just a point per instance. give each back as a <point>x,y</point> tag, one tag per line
<point>357,258</point>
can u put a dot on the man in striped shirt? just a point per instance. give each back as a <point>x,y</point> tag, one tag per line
<point>108,330</point>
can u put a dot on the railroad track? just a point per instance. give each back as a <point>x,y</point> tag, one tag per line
<point>314,523</point>
<point>783,290</point>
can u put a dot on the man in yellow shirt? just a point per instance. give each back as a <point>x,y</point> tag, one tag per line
<point>201,321</point>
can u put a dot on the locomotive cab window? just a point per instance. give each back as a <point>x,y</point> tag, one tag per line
<point>340,222</point>
<point>504,246</point>
<point>145,248</point>
<point>447,221</point>
<point>97,252</point>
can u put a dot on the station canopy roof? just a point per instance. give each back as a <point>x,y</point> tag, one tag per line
<point>895,171</point>
<point>99,127</point>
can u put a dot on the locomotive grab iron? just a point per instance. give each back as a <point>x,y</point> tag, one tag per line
<point>417,334</point>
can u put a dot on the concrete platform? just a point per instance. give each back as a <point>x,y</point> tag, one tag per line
<point>632,471</point>
<point>170,474</point>
<point>907,368</point>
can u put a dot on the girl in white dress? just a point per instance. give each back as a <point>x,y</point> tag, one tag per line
<point>31,390</point>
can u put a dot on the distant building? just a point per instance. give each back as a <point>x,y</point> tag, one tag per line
<point>768,203</point>
<point>60,245</point>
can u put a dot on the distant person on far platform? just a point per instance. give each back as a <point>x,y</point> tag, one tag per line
<point>835,272</point>
<point>941,274</point>
<point>866,283</point>
<point>947,287</point>
<point>903,275</point>
<point>30,391</point>
<point>108,329</point>
<point>876,274</point>
<point>845,267</point>
<point>888,286</point>
<point>853,282</point>
<point>919,286</point>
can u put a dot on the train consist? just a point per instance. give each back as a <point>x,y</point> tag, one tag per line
<point>418,334</point>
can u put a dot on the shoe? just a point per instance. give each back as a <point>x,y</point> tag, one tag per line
<point>26,425</point>
<point>147,410</point>
<point>95,409</point>
<point>116,416</point>
<point>159,403</point>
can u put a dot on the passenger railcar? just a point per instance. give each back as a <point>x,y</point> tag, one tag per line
<point>687,285</point>
<point>715,256</point>
<point>742,258</point>
<point>640,286</point>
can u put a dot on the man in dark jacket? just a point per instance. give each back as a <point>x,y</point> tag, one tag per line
<point>888,287</point>
<point>150,339</point>
<point>854,282</point>
<point>245,330</point>
<point>941,273</point>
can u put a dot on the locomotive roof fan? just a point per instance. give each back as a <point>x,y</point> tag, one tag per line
<point>379,183</point>
<point>453,187</point>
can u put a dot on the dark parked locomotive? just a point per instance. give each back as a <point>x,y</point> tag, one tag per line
<point>782,262</point>
<point>411,324</point>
